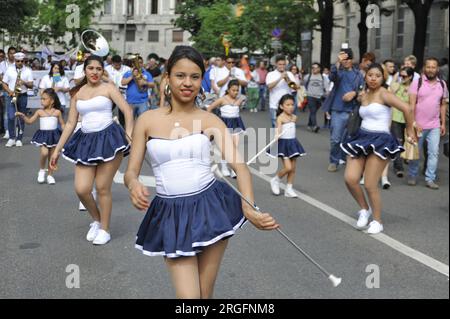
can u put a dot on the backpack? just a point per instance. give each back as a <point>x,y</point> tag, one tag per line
<point>440,82</point>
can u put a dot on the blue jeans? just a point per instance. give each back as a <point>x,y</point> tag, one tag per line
<point>338,132</point>
<point>22,101</point>
<point>262,96</point>
<point>273,116</point>
<point>139,108</point>
<point>433,138</point>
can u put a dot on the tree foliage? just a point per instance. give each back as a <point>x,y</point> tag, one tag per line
<point>14,11</point>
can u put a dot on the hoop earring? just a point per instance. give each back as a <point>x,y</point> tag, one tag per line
<point>167,91</point>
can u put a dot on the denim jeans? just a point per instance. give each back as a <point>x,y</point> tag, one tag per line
<point>432,137</point>
<point>313,106</point>
<point>139,108</point>
<point>338,133</point>
<point>22,100</point>
<point>273,116</point>
<point>262,96</point>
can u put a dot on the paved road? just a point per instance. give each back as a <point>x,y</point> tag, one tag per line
<point>42,232</point>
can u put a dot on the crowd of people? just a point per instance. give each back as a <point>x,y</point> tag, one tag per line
<point>394,108</point>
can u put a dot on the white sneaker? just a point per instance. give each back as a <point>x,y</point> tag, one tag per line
<point>385,182</point>
<point>342,162</point>
<point>41,176</point>
<point>289,192</point>
<point>233,174</point>
<point>363,218</point>
<point>375,228</point>
<point>275,185</point>
<point>93,231</point>
<point>19,143</point>
<point>225,171</point>
<point>10,143</point>
<point>6,136</point>
<point>361,182</point>
<point>81,207</point>
<point>50,180</point>
<point>102,237</point>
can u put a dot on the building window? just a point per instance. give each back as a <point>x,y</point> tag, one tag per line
<point>154,7</point>
<point>107,34</point>
<point>378,38</point>
<point>400,27</point>
<point>107,7</point>
<point>177,36</point>
<point>131,35</point>
<point>153,36</point>
<point>130,8</point>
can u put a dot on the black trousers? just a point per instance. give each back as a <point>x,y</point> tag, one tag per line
<point>398,130</point>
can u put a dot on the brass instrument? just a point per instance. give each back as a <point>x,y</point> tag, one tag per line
<point>17,88</point>
<point>136,65</point>
<point>93,42</point>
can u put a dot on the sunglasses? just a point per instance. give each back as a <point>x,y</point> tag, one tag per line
<point>19,61</point>
<point>231,62</point>
<point>404,76</point>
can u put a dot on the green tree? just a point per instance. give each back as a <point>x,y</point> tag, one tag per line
<point>51,23</point>
<point>14,11</point>
<point>215,21</point>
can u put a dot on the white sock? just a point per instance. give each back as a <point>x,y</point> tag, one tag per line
<point>289,186</point>
<point>276,178</point>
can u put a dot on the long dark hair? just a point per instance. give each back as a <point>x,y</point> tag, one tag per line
<point>88,61</point>
<point>56,102</point>
<point>380,68</point>
<point>230,85</point>
<point>283,99</point>
<point>183,52</point>
<point>61,69</point>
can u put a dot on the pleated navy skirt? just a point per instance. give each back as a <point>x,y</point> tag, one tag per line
<point>182,225</point>
<point>364,142</point>
<point>96,147</point>
<point>234,124</point>
<point>47,138</point>
<point>286,148</point>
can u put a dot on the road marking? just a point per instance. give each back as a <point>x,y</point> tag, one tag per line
<point>385,239</point>
<point>146,180</point>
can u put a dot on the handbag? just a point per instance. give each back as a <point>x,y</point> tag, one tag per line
<point>411,152</point>
<point>354,121</point>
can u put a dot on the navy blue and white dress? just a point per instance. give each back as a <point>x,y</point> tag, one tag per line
<point>100,138</point>
<point>230,116</point>
<point>374,136</point>
<point>191,209</point>
<point>288,146</point>
<point>48,134</point>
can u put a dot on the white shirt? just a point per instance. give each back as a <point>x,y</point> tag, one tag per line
<point>4,65</point>
<point>116,75</point>
<point>10,77</point>
<point>223,73</point>
<point>79,72</point>
<point>254,81</point>
<point>280,89</point>
<point>47,83</point>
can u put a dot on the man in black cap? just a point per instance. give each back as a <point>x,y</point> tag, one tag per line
<point>341,101</point>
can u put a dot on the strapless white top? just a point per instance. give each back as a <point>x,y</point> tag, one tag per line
<point>181,166</point>
<point>48,123</point>
<point>376,117</point>
<point>229,111</point>
<point>96,113</point>
<point>289,130</point>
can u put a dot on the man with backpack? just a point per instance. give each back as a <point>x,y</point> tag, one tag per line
<point>316,86</point>
<point>428,101</point>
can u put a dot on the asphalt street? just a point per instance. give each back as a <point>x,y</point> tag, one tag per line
<point>43,233</point>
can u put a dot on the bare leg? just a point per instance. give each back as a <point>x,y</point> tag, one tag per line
<point>50,153</point>
<point>374,169</point>
<point>353,171</point>
<point>43,157</point>
<point>185,277</point>
<point>386,170</point>
<point>208,265</point>
<point>286,169</point>
<point>103,181</point>
<point>84,180</point>
<point>291,174</point>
